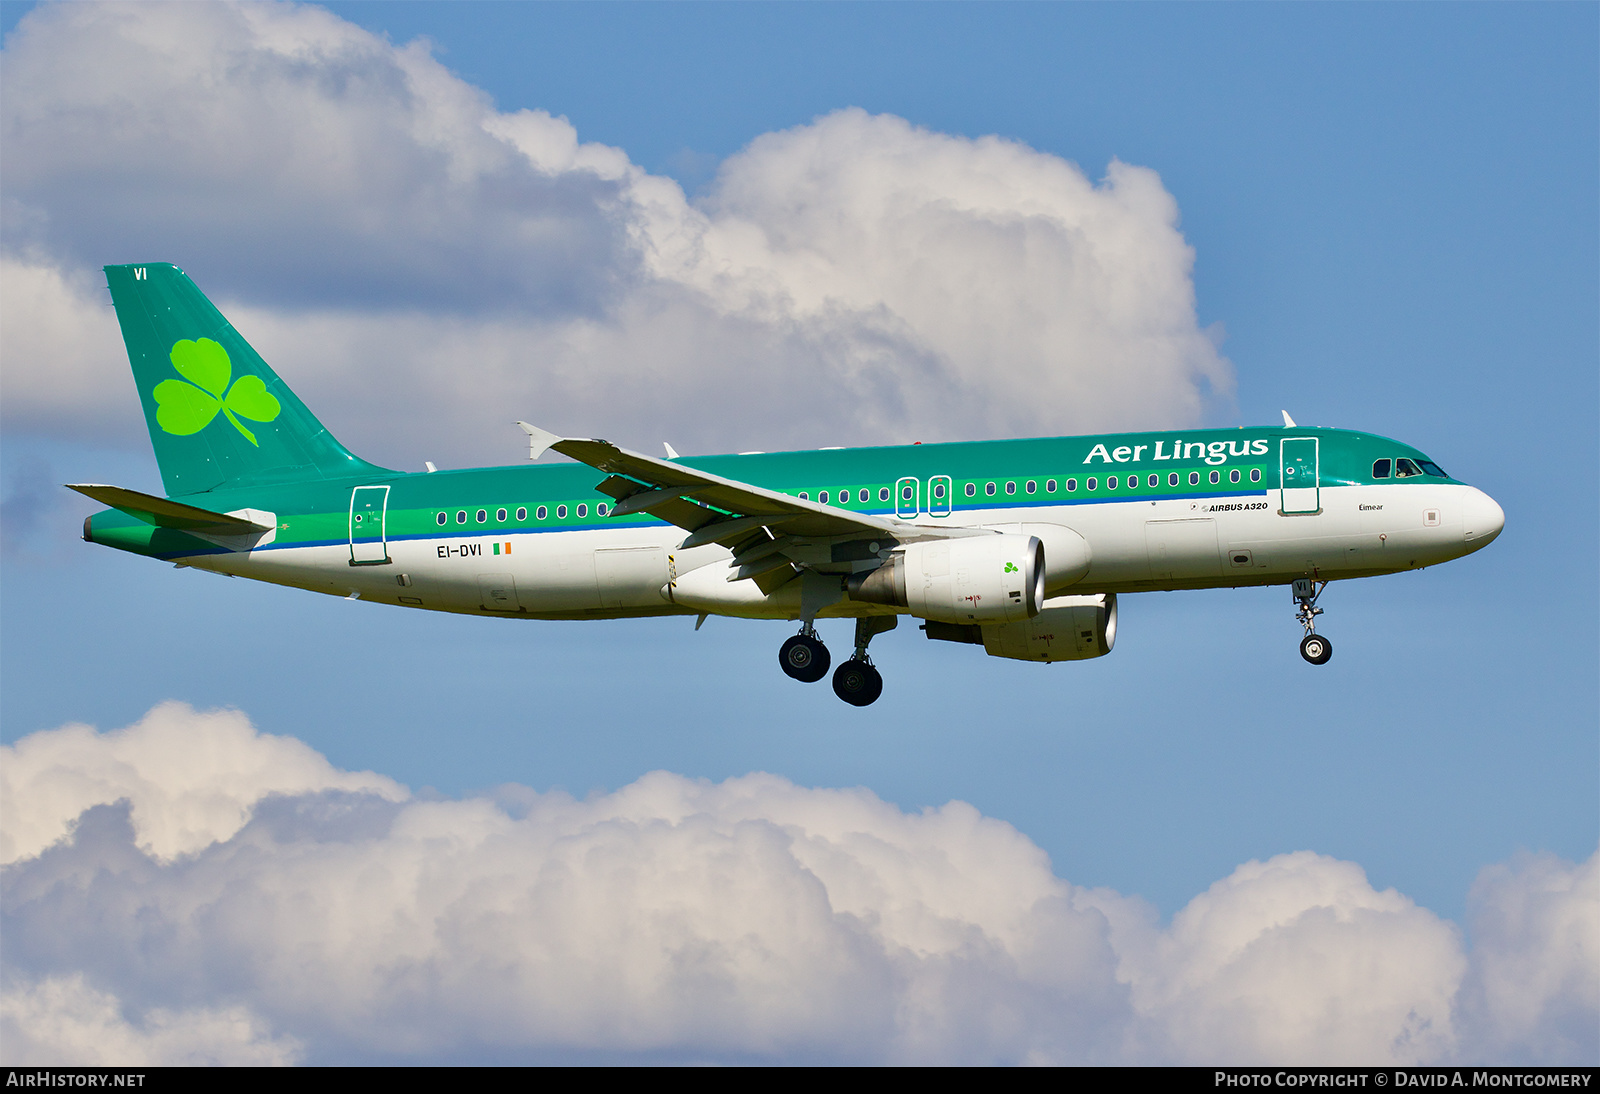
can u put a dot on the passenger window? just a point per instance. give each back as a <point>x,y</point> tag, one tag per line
<point>804,496</point>
<point>1091,483</point>
<point>1032,486</point>
<point>1172,479</point>
<point>1155,480</point>
<point>972,488</point>
<point>1405,469</point>
<point>1255,474</point>
<point>823,497</point>
<point>1380,469</point>
<point>908,493</point>
<point>1072,486</point>
<point>600,509</point>
<point>1216,477</point>
<point>461,516</point>
<point>444,518</point>
<point>866,495</point>
<point>883,493</point>
<point>1433,469</point>
<point>1111,482</point>
<point>989,489</point>
<point>483,515</point>
<point>1011,488</point>
<point>561,512</point>
<point>1133,482</point>
<point>500,515</point>
<point>1194,478</point>
<point>541,512</point>
<point>1050,486</point>
<point>938,491</point>
<point>1233,476</point>
<point>583,510</point>
<point>522,514</point>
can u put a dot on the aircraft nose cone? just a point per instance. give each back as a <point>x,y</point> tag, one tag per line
<point>1481,518</point>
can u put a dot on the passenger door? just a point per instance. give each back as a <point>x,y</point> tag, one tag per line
<point>1298,476</point>
<point>368,507</point>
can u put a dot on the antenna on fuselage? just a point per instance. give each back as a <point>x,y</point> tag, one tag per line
<point>672,453</point>
<point>1288,422</point>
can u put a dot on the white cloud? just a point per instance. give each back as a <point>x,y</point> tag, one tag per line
<point>60,334</point>
<point>62,1021</point>
<point>1297,958</point>
<point>191,778</point>
<point>677,919</point>
<point>416,262</point>
<point>1534,992</point>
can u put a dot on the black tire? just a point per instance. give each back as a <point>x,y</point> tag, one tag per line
<point>1316,649</point>
<point>804,658</point>
<point>857,683</point>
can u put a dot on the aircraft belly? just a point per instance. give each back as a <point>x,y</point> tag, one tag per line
<point>1182,549</point>
<point>630,576</point>
<point>558,574</point>
<point>324,568</point>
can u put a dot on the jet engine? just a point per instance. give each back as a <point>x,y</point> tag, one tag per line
<point>1070,628</point>
<point>975,579</point>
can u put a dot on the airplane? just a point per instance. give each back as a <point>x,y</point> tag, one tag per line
<point>1020,546</point>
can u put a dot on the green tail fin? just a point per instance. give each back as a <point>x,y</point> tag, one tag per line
<point>218,415</point>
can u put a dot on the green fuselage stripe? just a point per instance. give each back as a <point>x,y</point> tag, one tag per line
<point>317,513</point>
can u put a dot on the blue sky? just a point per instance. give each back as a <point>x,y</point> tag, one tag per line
<point>1394,222</point>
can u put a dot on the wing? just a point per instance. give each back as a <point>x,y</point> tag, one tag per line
<point>713,509</point>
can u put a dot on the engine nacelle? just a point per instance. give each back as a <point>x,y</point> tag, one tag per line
<point>975,579</point>
<point>1070,628</point>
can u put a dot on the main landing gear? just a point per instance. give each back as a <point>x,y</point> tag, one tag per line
<point>804,657</point>
<point>1313,647</point>
<point>856,681</point>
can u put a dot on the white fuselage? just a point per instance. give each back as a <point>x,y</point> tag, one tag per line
<point>1136,545</point>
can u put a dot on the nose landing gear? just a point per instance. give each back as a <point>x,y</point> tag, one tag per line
<point>1313,647</point>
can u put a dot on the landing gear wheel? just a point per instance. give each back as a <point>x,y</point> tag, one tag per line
<point>857,682</point>
<point>1316,649</point>
<point>804,658</point>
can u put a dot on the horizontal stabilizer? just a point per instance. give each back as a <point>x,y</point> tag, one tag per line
<point>164,513</point>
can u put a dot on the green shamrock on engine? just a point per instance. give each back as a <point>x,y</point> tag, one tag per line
<point>185,408</point>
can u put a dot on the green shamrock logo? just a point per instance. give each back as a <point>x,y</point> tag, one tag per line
<point>1011,568</point>
<point>185,408</point>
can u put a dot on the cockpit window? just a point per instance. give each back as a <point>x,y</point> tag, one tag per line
<point>1380,468</point>
<point>1433,469</point>
<point>1405,469</point>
